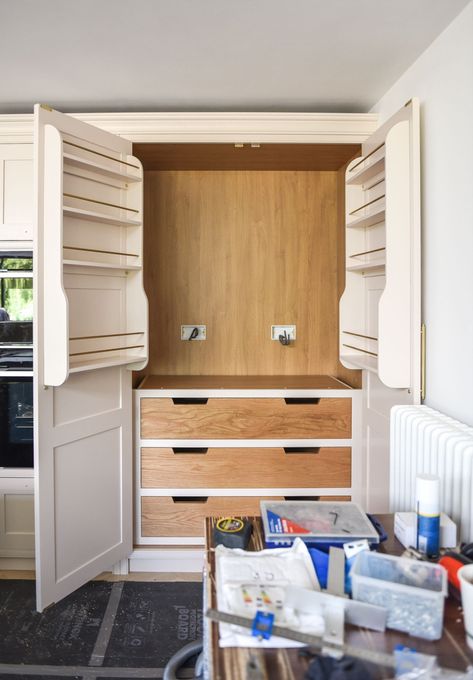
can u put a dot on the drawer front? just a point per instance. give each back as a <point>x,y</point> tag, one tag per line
<point>325,418</point>
<point>335,499</point>
<point>162,516</point>
<point>295,467</point>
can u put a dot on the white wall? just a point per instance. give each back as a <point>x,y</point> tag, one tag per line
<point>442,78</point>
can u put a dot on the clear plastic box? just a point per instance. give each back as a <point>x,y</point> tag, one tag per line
<point>412,591</point>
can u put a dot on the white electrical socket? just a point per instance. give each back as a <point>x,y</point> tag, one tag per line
<point>186,332</point>
<point>290,330</point>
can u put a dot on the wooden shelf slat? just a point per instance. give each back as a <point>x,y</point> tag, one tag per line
<point>367,266</point>
<point>92,216</point>
<point>370,220</point>
<point>86,164</point>
<point>362,361</point>
<point>101,265</point>
<point>77,366</point>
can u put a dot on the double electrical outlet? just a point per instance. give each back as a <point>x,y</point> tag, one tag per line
<point>199,332</point>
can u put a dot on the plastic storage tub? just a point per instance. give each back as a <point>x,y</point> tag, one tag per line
<point>413,592</point>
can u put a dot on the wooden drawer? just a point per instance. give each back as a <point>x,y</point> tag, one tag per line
<point>335,499</point>
<point>295,467</point>
<point>162,516</point>
<point>262,418</point>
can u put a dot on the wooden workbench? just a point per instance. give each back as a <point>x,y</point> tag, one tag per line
<point>288,664</point>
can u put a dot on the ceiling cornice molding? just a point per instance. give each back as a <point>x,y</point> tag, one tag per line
<point>321,128</point>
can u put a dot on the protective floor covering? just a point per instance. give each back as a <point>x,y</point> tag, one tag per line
<point>97,630</point>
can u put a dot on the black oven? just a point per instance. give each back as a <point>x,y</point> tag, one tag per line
<point>16,422</point>
<point>16,359</point>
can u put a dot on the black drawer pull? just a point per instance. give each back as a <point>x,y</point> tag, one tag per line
<point>190,499</point>
<point>189,400</point>
<point>189,449</point>
<point>301,400</point>
<point>302,449</point>
<point>301,498</point>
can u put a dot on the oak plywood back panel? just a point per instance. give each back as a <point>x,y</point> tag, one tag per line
<point>240,251</point>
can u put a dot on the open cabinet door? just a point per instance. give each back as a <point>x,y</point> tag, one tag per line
<point>380,309</point>
<point>91,329</point>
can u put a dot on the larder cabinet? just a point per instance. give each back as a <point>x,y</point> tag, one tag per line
<point>235,221</point>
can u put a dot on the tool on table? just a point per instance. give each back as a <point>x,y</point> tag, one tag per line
<point>232,532</point>
<point>336,572</point>
<point>319,643</point>
<point>453,561</point>
<point>318,523</point>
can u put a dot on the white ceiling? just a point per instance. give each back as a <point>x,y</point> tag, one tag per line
<point>154,55</point>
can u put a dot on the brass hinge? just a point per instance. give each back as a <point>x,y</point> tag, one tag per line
<point>422,361</point>
<point>47,107</point>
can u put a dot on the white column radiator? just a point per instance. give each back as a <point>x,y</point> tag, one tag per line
<point>426,441</point>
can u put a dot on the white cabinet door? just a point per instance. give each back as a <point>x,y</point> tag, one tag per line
<point>380,310</point>
<point>83,442</point>
<point>16,192</point>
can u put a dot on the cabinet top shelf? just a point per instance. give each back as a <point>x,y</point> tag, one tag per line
<point>366,172</point>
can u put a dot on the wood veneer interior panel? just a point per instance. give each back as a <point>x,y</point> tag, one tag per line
<point>242,382</point>
<point>229,157</point>
<point>240,251</point>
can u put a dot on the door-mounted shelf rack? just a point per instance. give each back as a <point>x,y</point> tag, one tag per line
<point>382,229</point>
<point>95,310</point>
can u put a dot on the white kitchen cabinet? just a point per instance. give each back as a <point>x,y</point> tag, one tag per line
<point>91,318</point>
<point>380,310</point>
<point>16,192</point>
<point>17,530</point>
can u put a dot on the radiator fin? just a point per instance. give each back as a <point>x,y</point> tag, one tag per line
<point>426,441</point>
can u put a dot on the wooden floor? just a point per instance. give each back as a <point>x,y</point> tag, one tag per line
<point>108,576</point>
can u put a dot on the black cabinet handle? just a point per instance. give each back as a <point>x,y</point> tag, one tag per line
<point>189,449</point>
<point>301,400</point>
<point>302,449</point>
<point>301,498</point>
<point>190,499</point>
<point>189,400</point>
